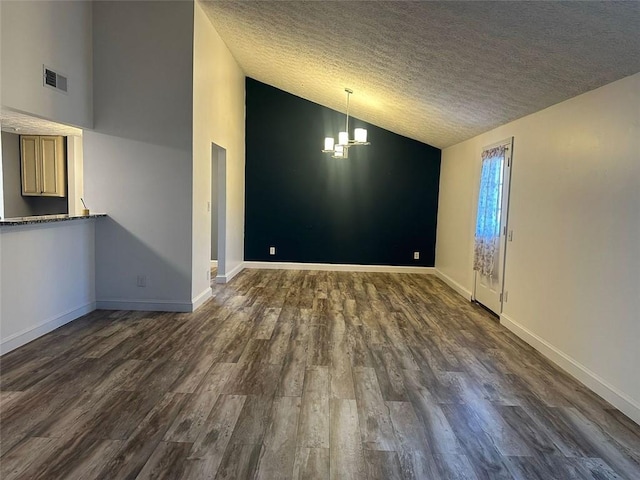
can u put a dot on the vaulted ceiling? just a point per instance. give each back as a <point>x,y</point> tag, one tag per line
<point>438,72</point>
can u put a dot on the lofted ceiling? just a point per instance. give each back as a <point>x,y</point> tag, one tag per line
<point>438,71</point>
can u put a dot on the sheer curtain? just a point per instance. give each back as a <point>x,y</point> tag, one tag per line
<point>487,239</point>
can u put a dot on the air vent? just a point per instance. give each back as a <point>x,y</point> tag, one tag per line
<point>50,77</point>
<point>54,79</point>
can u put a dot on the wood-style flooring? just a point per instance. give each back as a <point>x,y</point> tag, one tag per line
<point>302,374</point>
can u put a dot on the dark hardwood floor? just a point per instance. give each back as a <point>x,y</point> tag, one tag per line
<point>292,374</point>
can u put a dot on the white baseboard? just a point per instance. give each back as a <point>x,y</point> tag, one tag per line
<point>455,285</point>
<point>596,383</point>
<point>229,275</point>
<point>214,263</point>
<point>144,305</point>
<point>338,267</point>
<point>27,335</point>
<point>197,301</point>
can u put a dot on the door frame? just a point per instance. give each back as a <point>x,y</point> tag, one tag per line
<point>219,162</point>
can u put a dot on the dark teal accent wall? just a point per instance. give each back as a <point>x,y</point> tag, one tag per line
<point>375,208</point>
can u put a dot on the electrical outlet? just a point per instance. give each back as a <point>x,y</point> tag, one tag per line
<point>142,281</point>
<point>416,255</point>
<point>272,250</point>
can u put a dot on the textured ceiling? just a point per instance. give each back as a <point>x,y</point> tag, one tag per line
<point>21,124</point>
<point>438,72</point>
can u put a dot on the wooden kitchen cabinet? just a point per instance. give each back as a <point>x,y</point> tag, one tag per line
<point>43,166</point>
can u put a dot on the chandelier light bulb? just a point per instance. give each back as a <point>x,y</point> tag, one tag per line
<point>360,135</point>
<point>328,143</point>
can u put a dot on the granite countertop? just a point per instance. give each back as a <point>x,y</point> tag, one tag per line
<point>16,221</point>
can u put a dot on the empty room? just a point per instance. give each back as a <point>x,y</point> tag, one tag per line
<point>319,240</point>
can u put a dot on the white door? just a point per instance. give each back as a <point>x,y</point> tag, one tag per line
<point>52,173</point>
<point>30,152</point>
<point>489,286</point>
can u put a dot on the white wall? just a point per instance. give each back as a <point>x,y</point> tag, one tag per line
<point>47,278</point>
<point>75,169</point>
<point>56,34</point>
<point>218,117</point>
<point>457,199</point>
<point>15,205</point>
<point>573,268</point>
<point>138,158</point>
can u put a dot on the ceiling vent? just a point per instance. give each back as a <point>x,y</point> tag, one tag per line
<point>54,79</point>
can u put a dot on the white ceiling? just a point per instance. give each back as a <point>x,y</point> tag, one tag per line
<point>438,72</point>
<point>21,124</point>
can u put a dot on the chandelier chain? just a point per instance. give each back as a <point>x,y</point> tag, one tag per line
<point>347,122</point>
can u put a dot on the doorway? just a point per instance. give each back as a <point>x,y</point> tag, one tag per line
<point>491,225</point>
<point>218,211</point>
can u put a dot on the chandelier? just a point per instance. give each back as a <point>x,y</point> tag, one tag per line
<point>341,149</point>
